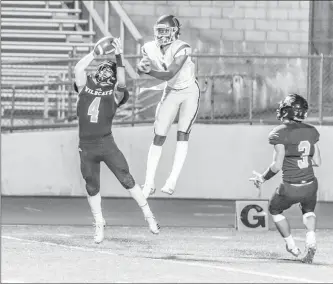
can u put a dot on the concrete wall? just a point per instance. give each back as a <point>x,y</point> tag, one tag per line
<point>226,26</point>
<point>220,161</point>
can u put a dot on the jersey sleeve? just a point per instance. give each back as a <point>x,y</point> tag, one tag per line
<point>316,135</point>
<point>182,48</point>
<point>276,136</point>
<point>76,88</point>
<point>144,50</point>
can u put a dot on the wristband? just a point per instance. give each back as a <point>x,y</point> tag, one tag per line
<point>119,60</point>
<point>121,88</point>
<point>268,174</point>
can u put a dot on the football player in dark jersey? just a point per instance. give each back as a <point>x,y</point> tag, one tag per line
<point>100,94</point>
<point>296,152</point>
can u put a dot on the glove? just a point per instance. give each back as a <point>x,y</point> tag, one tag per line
<point>258,179</point>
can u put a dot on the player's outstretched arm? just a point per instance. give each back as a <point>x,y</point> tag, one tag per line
<point>80,70</point>
<point>121,92</point>
<point>273,169</point>
<point>173,69</point>
<point>316,159</point>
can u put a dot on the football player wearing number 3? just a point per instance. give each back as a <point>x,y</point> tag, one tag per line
<point>100,94</point>
<point>296,152</point>
<point>169,59</point>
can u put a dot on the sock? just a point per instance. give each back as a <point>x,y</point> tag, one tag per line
<point>179,159</point>
<point>154,156</point>
<point>311,237</point>
<point>95,203</point>
<point>290,242</point>
<point>138,196</point>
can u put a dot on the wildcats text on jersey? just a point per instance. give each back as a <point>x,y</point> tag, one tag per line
<point>97,92</point>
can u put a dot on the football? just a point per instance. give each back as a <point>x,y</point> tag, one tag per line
<point>104,46</point>
<point>144,65</point>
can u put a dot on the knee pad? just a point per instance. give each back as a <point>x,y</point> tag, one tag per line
<point>92,190</point>
<point>128,182</point>
<point>182,136</point>
<point>159,140</point>
<point>308,214</point>
<point>278,218</point>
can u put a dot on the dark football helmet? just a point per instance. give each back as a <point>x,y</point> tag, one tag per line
<point>293,107</point>
<point>106,73</point>
<point>166,30</point>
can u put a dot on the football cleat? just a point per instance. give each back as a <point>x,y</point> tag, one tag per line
<point>148,190</point>
<point>154,227</point>
<point>310,253</point>
<point>169,187</point>
<point>99,231</point>
<point>295,251</point>
<point>167,190</point>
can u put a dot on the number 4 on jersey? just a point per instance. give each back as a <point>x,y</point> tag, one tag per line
<point>93,109</point>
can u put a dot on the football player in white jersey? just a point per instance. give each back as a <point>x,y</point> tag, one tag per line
<point>169,59</point>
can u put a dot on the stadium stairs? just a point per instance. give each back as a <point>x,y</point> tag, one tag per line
<point>40,30</point>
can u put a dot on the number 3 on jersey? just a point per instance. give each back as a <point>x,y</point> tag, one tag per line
<point>93,109</point>
<point>305,147</point>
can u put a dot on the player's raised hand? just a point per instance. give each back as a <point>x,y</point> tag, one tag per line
<point>258,179</point>
<point>118,48</point>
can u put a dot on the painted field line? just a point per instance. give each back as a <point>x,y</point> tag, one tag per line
<point>86,249</point>
<point>203,265</point>
<point>32,209</point>
<point>216,206</point>
<point>11,281</point>
<point>213,214</point>
<point>247,271</point>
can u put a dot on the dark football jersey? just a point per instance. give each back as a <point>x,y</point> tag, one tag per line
<point>299,140</point>
<point>96,108</point>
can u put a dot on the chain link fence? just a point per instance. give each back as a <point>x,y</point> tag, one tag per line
<point>234,89</point>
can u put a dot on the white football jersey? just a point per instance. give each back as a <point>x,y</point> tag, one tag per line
<point>160,62</point>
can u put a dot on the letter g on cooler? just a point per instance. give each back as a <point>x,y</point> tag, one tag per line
<point>252,215</point>
<point>244,216</point>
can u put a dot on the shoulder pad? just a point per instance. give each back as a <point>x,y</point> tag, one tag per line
<point>179,45</point>
<point>146,49</point>
<point>277,135</point>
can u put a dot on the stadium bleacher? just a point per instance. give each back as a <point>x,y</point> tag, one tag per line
<point>42,30</point>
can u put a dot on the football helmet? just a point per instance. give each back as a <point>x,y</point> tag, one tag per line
<point>293,107</point>
<point>106,73</point>
<point>166,30</point>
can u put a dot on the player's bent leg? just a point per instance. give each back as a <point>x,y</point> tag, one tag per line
<point>308,205</point>
<point>96,209</point>
<point>283,227</point>
<point>90,170</point>
<point>309,220</point>
<point>138,196</point>
<point>117,163</point>
<point>187,116</point>
<point>178,163</point>
<point>165,115</point>
<point>277,205</point>
<point>154,155</point>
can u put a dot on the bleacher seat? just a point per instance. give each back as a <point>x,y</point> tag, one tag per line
<point>35,29</point>
<point>41,30</point>
<point>38,30</point>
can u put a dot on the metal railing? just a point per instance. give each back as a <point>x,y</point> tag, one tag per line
<point>103,26</point>
<point>235,89</point>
